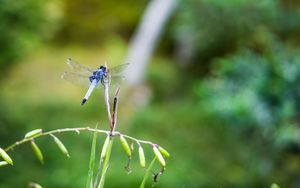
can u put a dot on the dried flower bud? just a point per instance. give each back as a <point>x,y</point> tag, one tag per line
<point>3,163</point>
<point>6,157</point>
<point>60,145</point>
<point>33,133</point>
<point>142,157</point>
<point>159,157</point>
<point>164,152</point>
<point>37,152</point>
<point>105,145</point>
<point>125,146</point>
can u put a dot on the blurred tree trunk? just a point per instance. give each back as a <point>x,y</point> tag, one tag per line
<point>146,37</point>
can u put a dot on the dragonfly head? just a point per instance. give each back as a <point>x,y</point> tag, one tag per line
<point>103,68</point>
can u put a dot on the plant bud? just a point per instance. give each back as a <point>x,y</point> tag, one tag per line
<point>33,133</point>
<point>164,152</point>
<point>61,146</point>
<point>3,163</point>
<point>37,152</point>
<point>159,157</point>
<point>125,146</point>
<point>142,157</point>
<point>105,145</point>
<point>6,157</point>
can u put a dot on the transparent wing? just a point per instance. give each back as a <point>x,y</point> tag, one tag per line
<point>118,70</point>
<point>77,79</point>
<point>117,79</point>
<point>78,68</point>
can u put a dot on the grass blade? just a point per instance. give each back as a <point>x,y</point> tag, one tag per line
<point>105,164</point>
<point>89,183</point>
<point>147,174</point>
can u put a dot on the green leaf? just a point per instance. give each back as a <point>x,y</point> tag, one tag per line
<point>159,156</point>
<point>142,157</point>
<point>105,146</point>
<point>274,185</point>
<point>148,172</point>
<point>3,163</point>
<point>33,133</point>
<point>34,185</point>
<point>6,157</point>
<point>105,164</point>
<point>60,145</point>
<point>37,152</point>
<point>164,152</point>
<point>89,182</point>
<point>125,146</point>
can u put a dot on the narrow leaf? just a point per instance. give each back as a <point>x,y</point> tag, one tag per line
<point>33,133</point>
<point>6,157</point>
<point>37,152</point>
<point>274,185</point>
<point>104,149</point>
<point>105,163</point>
<point>160,158</point>
<point>142,157</point>
<point>3,163</point>
<point>89,182</point>
<point>125,146</point>
<point>60,145</point>
<point>147,174</point>
<point>34,185</point>
<point>164,152</point>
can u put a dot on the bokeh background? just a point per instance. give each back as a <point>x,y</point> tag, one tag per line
<point>223,91</point>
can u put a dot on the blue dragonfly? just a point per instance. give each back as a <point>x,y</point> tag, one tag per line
<point>92,78</point>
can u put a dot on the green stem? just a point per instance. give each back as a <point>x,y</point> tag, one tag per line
<point>147,173</point>
<point>105,164</point>
<point>25,140</point>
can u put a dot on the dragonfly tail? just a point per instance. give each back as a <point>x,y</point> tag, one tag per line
<point>83,101</point>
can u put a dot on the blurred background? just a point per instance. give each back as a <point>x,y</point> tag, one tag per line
<point>221,91</point>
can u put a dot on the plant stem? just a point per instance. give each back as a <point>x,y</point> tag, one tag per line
<point>106,99</point>
<point>115,112</point>
<point>54,132</point>
<point>77,130</point>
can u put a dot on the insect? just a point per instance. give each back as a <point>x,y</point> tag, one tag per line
<point>91,78</point>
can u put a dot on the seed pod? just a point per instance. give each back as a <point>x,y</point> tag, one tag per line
<point>142,157</point>
<point>159,157</point>
<point>164,152</point>
<point>33,133</point>
<point>125,146</point>
<point>3,163</point>
<point>6,157</point>
<point>60,145</point>
<point>37,152</point>
<point>105,145</point>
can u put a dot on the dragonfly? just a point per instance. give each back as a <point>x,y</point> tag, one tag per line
<point>92,78</point>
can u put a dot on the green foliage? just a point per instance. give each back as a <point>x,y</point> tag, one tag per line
<point>252,90</point>
<point>20,25</point>
<point>222,27</point>
<point>93,21</point>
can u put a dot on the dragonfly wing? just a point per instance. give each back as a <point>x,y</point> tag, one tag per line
<point>78,68</point>
<point>117,79</point>
<point>118,70</point>
<point>77,79</point>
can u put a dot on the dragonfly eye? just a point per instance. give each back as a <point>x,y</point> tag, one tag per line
<point>103,68</point>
